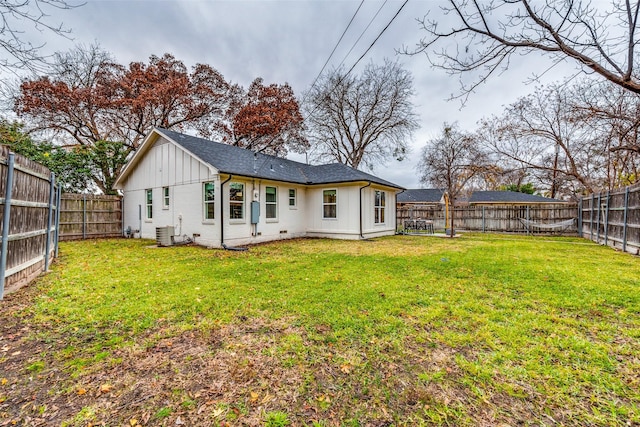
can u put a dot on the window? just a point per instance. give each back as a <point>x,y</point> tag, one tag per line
<point>236,200</point>
<point>271,200</point>
<point>379,207</point>
<point>149,203</point>
<point>165,197</point>
<point>209,198</point>
<point>329,204</point>
<point>292,198</point>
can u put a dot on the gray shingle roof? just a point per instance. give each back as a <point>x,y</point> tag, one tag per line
<point>508,197</point>
<point>420,195</point>
<point>239,161</point>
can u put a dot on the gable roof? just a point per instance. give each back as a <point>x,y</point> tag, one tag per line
<point>509,197</point>
<point>420,195</point>
<point>238,161</point>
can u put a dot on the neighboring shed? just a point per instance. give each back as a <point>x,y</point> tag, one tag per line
<point>486,198</point>
<point>219,194</point>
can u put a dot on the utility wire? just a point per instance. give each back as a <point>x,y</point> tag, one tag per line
<point>336,46</point>
<point>362,34</point>
<point>352,67</point>
<point>379,35</point>
<point>361,56</point>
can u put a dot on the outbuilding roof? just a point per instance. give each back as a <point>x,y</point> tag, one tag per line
<point>420,195</point>
<point>509,197</point>
<point>238,161</point>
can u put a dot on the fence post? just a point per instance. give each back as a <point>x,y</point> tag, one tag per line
<point>606,221</point>
<point>624,220</point>
<point>580,217</point>
<point>483,220</point>
<point>52,189</point>
<point>598,220</point>
<point>528,219</point>
<point>84,217</point>
<point>58,202</point>
<point>591,218</point>
<point>5,222</point>
<point>122,215</point>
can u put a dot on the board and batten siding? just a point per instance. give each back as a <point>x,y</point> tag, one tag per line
<point>290,222</point>
<point>166,165</point>
<point>347,223</point>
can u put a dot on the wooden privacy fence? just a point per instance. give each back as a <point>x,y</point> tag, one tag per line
<point>29,198</point>
<point>612,218</point>
<point>89,216</point>
<point>558,218</point>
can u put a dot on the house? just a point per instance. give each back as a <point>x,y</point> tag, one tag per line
<point>221,195</point>
<point>421,197</point>
<point>493,198</point>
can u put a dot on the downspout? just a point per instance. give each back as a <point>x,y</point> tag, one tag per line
<point>362,188</point>
<point>222,210</point>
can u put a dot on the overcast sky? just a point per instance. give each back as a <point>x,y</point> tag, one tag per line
<point>289,41</point>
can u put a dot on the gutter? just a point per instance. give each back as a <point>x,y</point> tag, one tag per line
<point>362,188</point>
<point>222,209</point>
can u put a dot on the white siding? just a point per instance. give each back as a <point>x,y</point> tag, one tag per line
<point>167,165</point>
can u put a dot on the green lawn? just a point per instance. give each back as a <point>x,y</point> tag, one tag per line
<point>482,329</point>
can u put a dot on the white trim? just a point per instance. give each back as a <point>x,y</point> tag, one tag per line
<point>145,146</point>
<point>235,203</point>
<point>330,218</point>
<point>267,204</point>
<point>206,220</point>
<point>166,198</point>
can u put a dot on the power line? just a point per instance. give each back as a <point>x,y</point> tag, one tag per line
<point>379,35</point>
<point>354,65</point>
<point>361,56</point>
<point>362,34</point>
<point>336,46</point>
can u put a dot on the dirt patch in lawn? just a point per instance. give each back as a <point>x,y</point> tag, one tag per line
<point>252,372</point>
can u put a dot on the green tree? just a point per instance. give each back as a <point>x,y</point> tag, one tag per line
<point>72,166</point>
<point>527,188</point>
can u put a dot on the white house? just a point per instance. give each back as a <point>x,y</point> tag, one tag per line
<point>221,195</point>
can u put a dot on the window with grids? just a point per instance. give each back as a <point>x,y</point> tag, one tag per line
<point>165,197</point>
<point>292,198</point>
<point>379,207</point>
<point>271,200</point>
<point>236,200</point>
<point>209,201</point>
<point>329,204</point>
<point>149,203</point>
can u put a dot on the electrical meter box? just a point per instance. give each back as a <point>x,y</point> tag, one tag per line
<point>255,212</point>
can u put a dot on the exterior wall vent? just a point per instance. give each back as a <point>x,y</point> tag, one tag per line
<point>164,235</point>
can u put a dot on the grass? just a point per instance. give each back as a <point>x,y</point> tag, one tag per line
<point>402,330</point>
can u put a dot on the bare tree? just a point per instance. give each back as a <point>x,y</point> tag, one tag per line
<point>489,35</point>
<point>14,14</point>
<point>361,120</point>
<point>566,137</point>
<point>451,161</point>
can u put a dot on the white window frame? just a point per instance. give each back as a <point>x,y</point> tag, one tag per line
<point>206,203</point>
<point>379,210</point>
<point>271,203</point>
<point>148,204</point>
<point>233,187</point>
<point>293,198</point>
<point>166,199</point>
<point>325,204</point>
